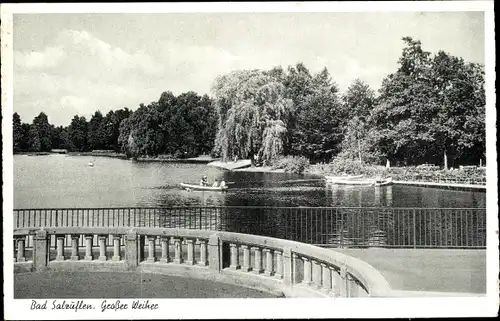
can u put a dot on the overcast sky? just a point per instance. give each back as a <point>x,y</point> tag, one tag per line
<point>67,64</point>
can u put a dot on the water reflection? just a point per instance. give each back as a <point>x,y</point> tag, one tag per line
<point>377,192</point>
<point>388,196</point>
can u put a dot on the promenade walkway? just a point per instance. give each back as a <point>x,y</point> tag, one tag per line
<point>437,270</point>
<point>95,285</point>
<point>445,185</point>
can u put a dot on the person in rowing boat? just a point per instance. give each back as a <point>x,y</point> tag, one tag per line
<point>215,184</point>
<point>222,184</point>
<point>204,181</point>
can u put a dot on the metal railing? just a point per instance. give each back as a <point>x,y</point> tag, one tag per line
<point>324,226</point>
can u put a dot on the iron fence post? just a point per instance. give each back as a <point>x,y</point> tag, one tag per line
<point>414,229</point>
<point>200,218</point>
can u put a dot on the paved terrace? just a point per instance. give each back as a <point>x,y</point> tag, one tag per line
<point>85,285</point>
<point>440,270</point>
<point>430,270</point>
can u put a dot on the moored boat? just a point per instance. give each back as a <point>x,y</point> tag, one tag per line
<point>366,182</point>
<point>203,188</point>
<point>333,179</point>
<point>387,181</point>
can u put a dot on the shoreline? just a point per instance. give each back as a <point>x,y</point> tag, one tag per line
<point>198,160</point>
<point>261,169</point>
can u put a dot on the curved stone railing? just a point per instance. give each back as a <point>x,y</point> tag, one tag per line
<point>291,268</point>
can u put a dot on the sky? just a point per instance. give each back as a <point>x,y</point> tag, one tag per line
<point>68,64</point>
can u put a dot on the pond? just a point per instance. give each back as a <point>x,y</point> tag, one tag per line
<point>58,181</point>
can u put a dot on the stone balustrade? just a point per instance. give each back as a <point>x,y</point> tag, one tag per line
<point>291,268</point>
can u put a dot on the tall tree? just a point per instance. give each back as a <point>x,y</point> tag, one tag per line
<point>17,133</point>
<point>111,128</point>
<point>431,108</point>
<point>96,133</point>
<point>253,112</point>
<point>57,137</point>
<point>405,108</point>
<point>298,84</point>
<point>458,126</point>
<point>358,100</point>
<point>77,134</point>
<point>40,134</point>
<point>317,131</point>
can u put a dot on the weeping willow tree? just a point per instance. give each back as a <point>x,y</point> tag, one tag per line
<point>272,142</point>
<point>253,113</point>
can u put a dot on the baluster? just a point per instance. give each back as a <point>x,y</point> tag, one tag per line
<point>190,252</point>
<point>246,258</point>
<point>295,268</point>
<point>178,251</point>
<point>88,247</point>
<point>316,271</point>
<point>74,247</point>
<point>327,278</point>
<point>234,264</point>
<point>15,250</point>
<point>307,271</point>
<point>116,247</point>
<point>151,249</point>
<point>279,264</point>
<point>165,249</point>
<point>269,262</point>
<point>336,282</point>
<point>203,253</point>
<point>352,286</point>
<point>102,247</point>
<point>60,247</point>
<point>258,260</point>
<point>20,249</point>
<point>344,293</point>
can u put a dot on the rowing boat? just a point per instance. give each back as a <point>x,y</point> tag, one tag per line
<point>203,188</point>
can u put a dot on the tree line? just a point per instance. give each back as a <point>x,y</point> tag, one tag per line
<point>430,110</point>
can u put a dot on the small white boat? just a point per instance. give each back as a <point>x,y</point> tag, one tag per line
<point>333,179</point>
<point>366,182</point>
<point>91,164</point>
<point>385,182</point>
<point>203,188</point>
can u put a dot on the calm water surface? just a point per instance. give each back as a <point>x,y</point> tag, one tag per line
<point>57,181</point>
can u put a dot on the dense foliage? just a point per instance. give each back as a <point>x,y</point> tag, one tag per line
<point>252,115</point>
<point>430,110</point>
<point>291,164</point>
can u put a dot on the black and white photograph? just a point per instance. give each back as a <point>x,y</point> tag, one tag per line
<point>215,160</point>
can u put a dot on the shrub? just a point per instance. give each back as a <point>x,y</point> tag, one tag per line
<point>291,164</point>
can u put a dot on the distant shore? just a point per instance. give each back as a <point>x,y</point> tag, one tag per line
<point>202,159</point>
